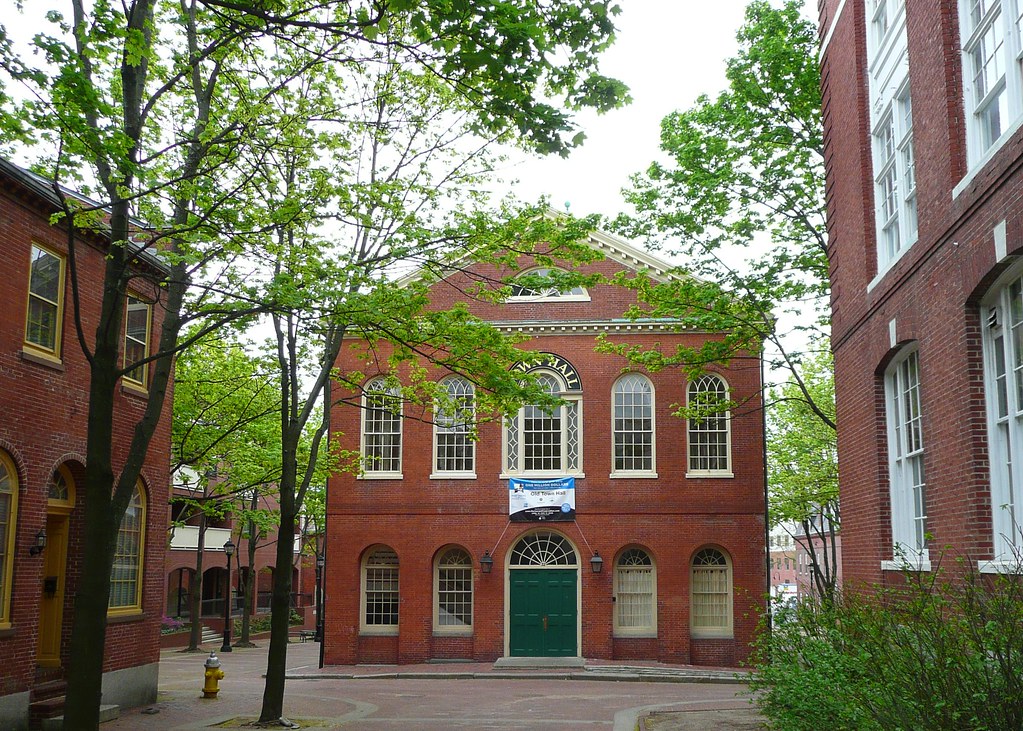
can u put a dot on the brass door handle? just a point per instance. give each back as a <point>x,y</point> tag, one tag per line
<point>545,623</point>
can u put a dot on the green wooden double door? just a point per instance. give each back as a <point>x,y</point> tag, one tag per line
<point>543,613</point>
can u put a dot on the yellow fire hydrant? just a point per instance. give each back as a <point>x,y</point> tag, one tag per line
<point>213,675</point>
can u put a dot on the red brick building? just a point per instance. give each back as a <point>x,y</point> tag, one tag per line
<point>44,381</point>
<point>605,528</point>
<point>923,104</point>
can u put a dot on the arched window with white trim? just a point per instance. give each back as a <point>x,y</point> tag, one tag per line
<point>381,429</point>
<point>380,591</point>
<point>532,287</point>
<point>454,420</point>
<point>635,594</point>
<point>452,607</point>
<point>545,440</point>
<point>711,592</point>
<point>633,425</point>
<point>709,427</point>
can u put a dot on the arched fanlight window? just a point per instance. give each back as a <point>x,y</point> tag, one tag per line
<point>543,549</point>
<point>532,288</point>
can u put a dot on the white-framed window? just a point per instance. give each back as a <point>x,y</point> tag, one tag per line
<point>711,591</point>
<point>992,78</point>
<point>709,430</point>
<point>907,485</point>
<point>635,594</point>
<point>535,293</point>
<point>1002,318</point>
<point>454,418</point>
<point>891,130</point>
<point>452,582</point>
<point>380,592</point>
<point>542,439</point>
<point>126,572</point>
<point>381,429</point>
<point>632,427</point>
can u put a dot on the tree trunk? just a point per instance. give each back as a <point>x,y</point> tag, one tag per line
<point>195,596</point>
<point>280,601</point>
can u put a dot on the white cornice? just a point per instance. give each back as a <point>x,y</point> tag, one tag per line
<point>588,327</point>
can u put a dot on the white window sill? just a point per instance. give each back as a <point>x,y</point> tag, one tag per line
<point>703,474</point>
<point>378,631</point>
<point>452,475</point>
<point>1009,568</point>
<point>448,632</point>
<point>922,563</point>
<point>635,634</point>
<point>625,475</point>
<point>380,476</point>
<point>889,265</point>
<point>722,634</point>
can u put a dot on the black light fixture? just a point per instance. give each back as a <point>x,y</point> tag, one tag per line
<point>40,543</point>
<point>486,563</point>
<point>596,563</point>
<point>228,551</point>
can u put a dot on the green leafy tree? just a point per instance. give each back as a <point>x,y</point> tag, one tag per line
<point>802,463</point>
<point>153,109</point>
<point>739,200</point>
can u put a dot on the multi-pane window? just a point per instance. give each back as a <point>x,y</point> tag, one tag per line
<point>634,593</point>
<point>136,338</point>
<point>454,419</point>
<point>126,574</point>
<point>906,458</point>
<point>709,437</point>
<point>45,300</point>
<point>545,439</point>
<point>633,424</point>
<point>381,429</point>
<point>380,590</point>
<point>8,512</point>
<point>992,79</point>
<point>711,594</point>
<point>453,610</point>
<point>1003,381</point>
<point>549,292</point>
<point>892,123</point>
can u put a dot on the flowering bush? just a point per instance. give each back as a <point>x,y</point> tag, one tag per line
<point>170,625</point>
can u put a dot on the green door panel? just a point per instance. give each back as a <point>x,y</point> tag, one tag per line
<point>542,613</point>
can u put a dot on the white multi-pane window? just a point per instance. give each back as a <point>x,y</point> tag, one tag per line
<point>906,461</point>
<point>992,79</point>
<point>453,592</point>
<point>709,427</point>
<point>380,591</point>
<point>454,417</point>
<point>540,291</point>
<point>126,573</point>
<point>1002,316</point>
<point>635,594</point>
<point>633,425</point>
<point>711,582</point>
<point>892,130</point>
<point>381,430</point>
<point>45,301</point>
<point>545,439</point>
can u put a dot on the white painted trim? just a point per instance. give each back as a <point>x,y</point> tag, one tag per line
<point>831,31</point>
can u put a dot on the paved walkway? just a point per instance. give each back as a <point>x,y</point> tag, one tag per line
<point>580,695</point>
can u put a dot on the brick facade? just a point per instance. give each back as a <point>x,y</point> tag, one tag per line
<point>670,516</point>
<point>929,298</point>
<point>44,406</point>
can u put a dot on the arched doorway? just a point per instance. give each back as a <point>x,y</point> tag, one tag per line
<point>543,597</point>
<point>60,502</point>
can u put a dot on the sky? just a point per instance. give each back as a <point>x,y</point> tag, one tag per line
<point>668,52</point>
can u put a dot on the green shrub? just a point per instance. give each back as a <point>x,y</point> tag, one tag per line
<point>934,653</point>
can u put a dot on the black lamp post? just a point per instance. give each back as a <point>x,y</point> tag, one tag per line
<point>228,551</point>
<point>320,561</point>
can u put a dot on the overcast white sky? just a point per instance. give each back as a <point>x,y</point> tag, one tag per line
<point>668,52</point>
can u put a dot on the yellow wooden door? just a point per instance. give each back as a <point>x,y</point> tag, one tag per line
<point>51,606</point>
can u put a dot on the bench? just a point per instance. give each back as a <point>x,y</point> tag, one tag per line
<point>304,634</point>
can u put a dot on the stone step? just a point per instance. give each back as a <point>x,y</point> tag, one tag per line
<point>106,713</point>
